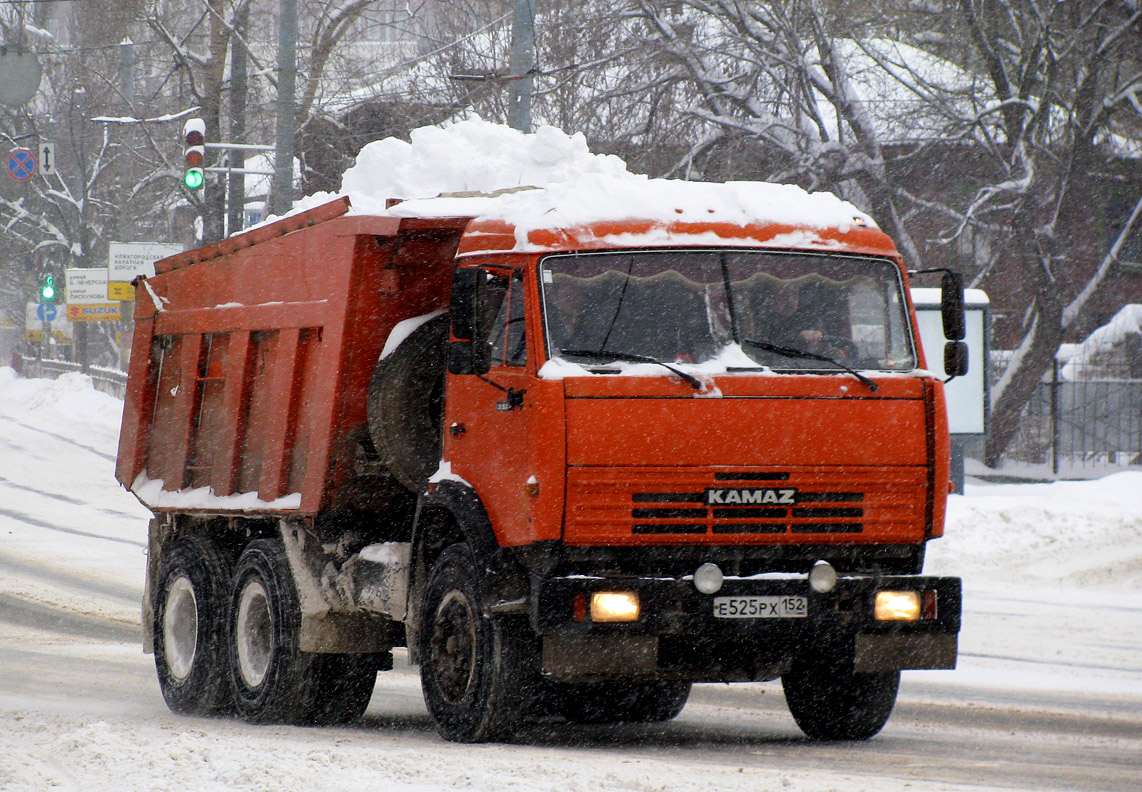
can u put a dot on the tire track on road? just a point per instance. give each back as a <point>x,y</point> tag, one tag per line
<point>63,438</point>
<point>30,520</point>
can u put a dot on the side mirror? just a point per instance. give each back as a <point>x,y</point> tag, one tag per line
<point>468,354</point>
<point>955,359</point>
<point>464,303</point>
<point>952,306</point>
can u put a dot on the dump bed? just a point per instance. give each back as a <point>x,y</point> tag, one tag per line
<point>251,358</point>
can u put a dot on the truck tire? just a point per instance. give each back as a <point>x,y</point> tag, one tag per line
<point>830,701</point>
<point>477,671</point>
<point>190,627</point>
<point>621,702</point>
<point>272,679</point>
<point>406,404</point>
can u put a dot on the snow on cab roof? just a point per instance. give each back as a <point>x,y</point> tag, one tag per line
<point>550,180</point>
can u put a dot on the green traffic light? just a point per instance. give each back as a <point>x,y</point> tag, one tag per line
<point>194,178</point>
<point>48,290</point>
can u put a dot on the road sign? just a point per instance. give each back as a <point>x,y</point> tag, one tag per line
<point>20,74</point>
<point>86,286</point>
<point>33,325</point>
<point>47,312</point>
<point>21,164</point>
<point>47,159</point>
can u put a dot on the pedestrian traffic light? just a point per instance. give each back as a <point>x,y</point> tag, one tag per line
<point>48,288</point>
<point>195,132</point>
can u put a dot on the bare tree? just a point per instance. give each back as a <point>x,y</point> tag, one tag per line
<point>1061,107</point>
<point>1036,101</point>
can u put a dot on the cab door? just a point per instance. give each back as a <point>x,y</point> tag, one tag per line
<point>488,416</point>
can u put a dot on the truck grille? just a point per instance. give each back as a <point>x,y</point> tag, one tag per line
<point>633,504</point>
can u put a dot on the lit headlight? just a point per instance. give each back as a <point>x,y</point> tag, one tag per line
<point>614,606</point>
<point>897,606</point>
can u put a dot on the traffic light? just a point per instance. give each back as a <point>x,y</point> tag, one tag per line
<point>48,288</point>
<point>195,131</point>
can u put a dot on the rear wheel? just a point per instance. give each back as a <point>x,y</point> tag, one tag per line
<point>621,702</point>
<point>190,627</point>
<point>830,701</point>
<point>476,670</point>
<point>273,680</point>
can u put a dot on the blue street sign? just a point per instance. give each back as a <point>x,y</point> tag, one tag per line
<point>47,312</point>
<point>21,164</point>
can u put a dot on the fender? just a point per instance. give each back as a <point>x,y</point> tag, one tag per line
<point>504,579</point>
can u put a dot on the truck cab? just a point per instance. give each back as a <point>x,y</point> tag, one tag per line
<point>690,432</point>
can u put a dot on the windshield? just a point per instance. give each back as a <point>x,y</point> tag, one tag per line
<point>687,306</point>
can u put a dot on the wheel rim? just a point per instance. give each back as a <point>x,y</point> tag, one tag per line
<point>254,634</point>
<point>453,646</point>
<point>180,628</point>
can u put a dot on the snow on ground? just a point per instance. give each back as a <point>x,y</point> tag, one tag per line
<point>1052,575</point>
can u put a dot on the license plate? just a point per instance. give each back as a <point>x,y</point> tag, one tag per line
<point>761,607</point>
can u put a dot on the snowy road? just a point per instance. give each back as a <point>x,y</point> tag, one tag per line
<point>1048,695</point>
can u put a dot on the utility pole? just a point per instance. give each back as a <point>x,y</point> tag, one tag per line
<point>522,64</point>
<point>282,193</point>
<point>127,70</point>
<point>239,83</point>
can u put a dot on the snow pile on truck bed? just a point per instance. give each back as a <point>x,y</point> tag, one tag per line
<point>552,180</point>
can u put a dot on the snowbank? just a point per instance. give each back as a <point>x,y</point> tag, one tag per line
<point>1126,322</point>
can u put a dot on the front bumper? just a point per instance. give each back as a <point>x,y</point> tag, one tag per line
<point>679,635</point>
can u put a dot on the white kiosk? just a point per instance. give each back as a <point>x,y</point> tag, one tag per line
<point>968,396</point>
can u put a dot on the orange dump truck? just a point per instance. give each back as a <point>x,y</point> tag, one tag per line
<point>572,477</point>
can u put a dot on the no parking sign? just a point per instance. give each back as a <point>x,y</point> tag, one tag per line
<point>21,164</point>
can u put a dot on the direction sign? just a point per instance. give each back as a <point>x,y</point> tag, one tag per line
<point>128,259</point>
<point>86,286</point>
<point>46,312</point>
<point>21,164</point>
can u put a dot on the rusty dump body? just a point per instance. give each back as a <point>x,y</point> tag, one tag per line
<point>658,433</point>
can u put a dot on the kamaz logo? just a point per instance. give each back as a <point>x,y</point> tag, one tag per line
<point>763,495</point>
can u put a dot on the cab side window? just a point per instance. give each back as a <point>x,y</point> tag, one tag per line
<point>507,337</point>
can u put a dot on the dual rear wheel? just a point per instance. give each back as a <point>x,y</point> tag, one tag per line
<point>226,639</point>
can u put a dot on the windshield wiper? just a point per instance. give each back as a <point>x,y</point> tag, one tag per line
<point>790,352</point>
<point>626,357</point>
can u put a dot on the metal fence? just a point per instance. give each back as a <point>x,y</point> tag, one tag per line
<point>109,381</point>
<point>1092,421</point>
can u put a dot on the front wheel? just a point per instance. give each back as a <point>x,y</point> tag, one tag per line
<point>475,669</point>
<point>830,701</point>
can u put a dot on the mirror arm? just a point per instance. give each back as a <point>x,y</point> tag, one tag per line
<point>515,397</point>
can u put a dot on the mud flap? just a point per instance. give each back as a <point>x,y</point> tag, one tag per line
<point>898,652</point>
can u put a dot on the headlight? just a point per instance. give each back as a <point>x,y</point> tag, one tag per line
<point>614,606</point>
<point>897,606</point>
<point>822,577</point>
<point>708,578</point>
